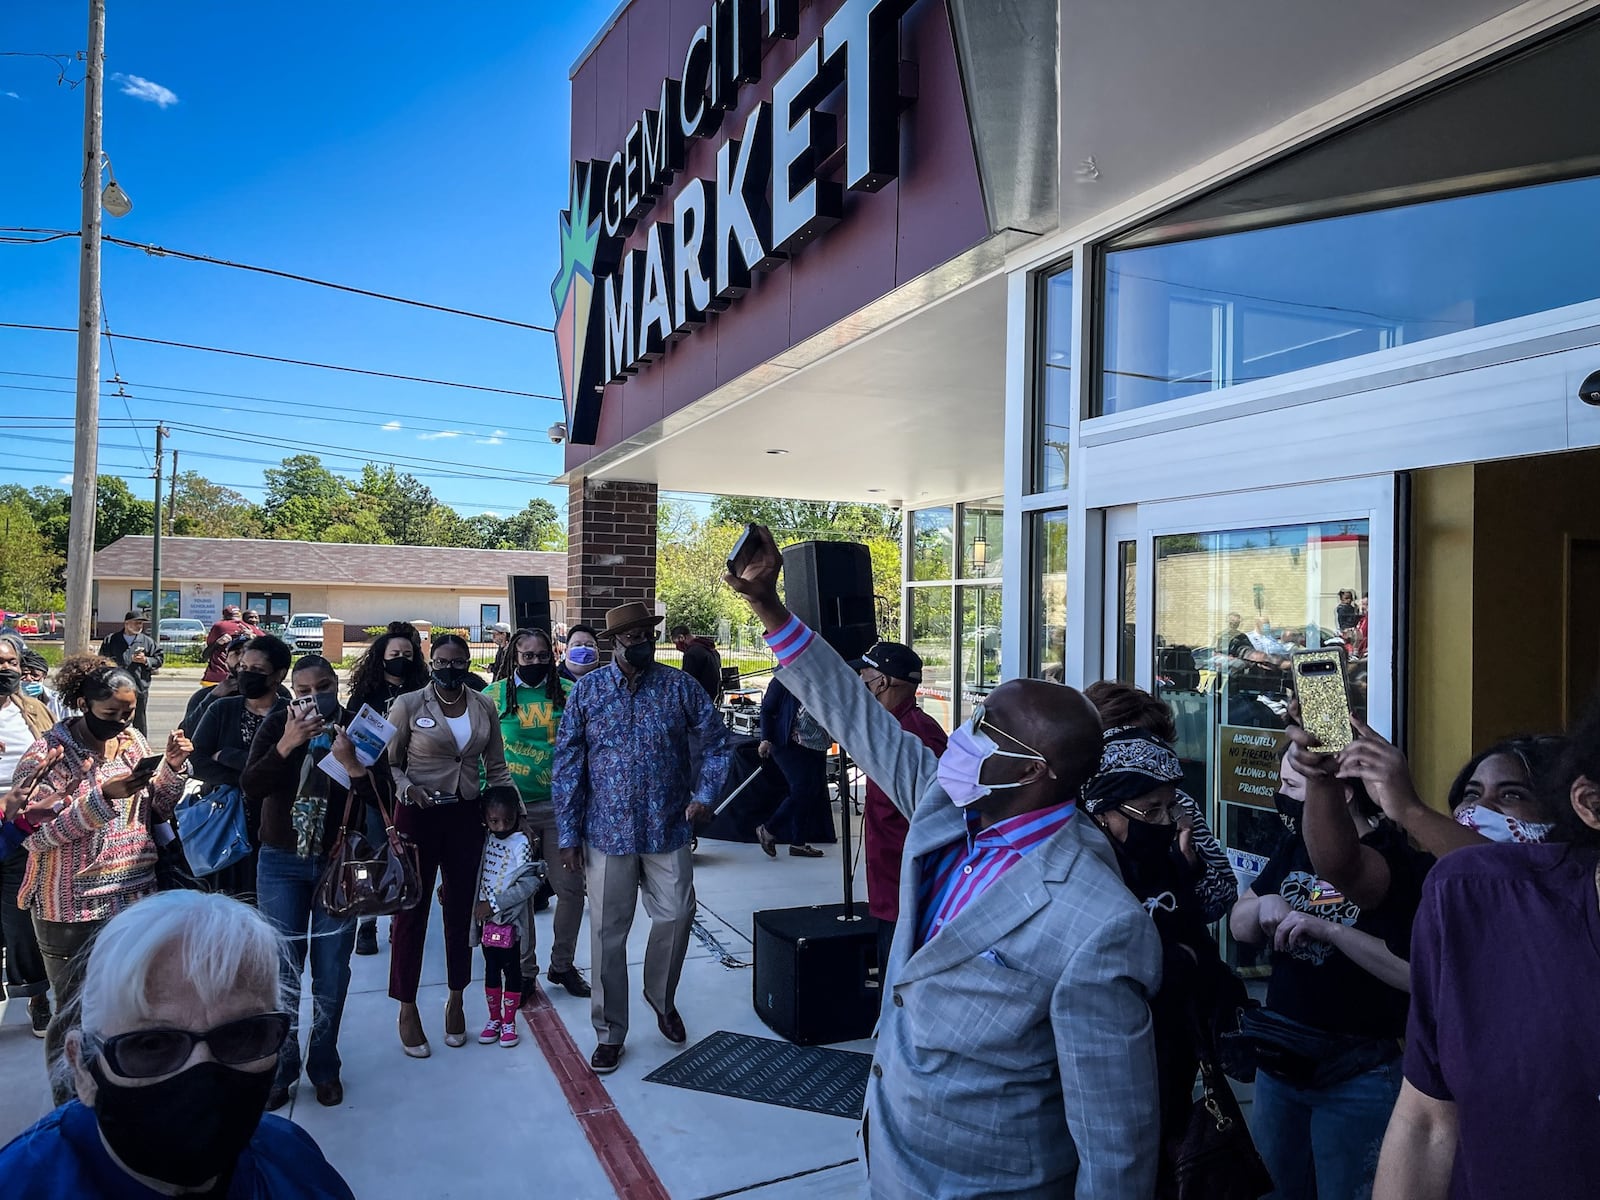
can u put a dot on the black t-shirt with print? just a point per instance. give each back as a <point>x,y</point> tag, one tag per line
<point>1316,984</point>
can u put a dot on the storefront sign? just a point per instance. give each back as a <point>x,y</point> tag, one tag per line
<point>699,255</point>
<point>203,602</point>
<point>1247,764</point>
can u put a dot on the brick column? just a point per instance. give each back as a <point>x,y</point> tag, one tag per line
<point>611,549</point>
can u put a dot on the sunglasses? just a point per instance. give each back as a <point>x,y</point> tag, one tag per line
<point>149,1053</point>
<point>1150,816</point>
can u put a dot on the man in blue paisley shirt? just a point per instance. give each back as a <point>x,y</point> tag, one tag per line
<point>627,791</point>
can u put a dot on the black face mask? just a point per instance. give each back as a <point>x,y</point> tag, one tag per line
<point>1148,842</point>
<point>328,705</point>
<point>10,682</point>
<point>1291,810</point>
<point>103,730</point>
<point>641,655</point>
<point>533,674</point>
<point>397,669</point>
<point>217,1108</point>
<point>502,834</point>
<point>450,678</point>
<point>253,685</point>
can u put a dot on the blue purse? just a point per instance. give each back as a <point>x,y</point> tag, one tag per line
<point>214,830</point>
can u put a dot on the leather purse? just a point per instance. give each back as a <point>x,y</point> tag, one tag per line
<point>362,880</point>
<point>214,828</point>
<point>1215,1158</point>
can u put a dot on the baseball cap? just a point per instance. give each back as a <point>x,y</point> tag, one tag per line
<point>230,610</point>
<point>499,627</point>
<point>894,660</point>
<point>135,616</point>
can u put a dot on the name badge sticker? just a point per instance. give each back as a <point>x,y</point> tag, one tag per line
<point>425,722</point>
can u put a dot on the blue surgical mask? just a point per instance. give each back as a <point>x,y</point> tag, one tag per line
<point>583,656</point>
<point>33,687</point>
<point>962,765</point>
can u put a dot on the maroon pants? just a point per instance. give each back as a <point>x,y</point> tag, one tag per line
<point>449,841</point>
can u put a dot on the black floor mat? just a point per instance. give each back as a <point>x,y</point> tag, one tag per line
<point>813,1078</point>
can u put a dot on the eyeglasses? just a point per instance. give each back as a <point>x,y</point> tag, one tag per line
<point>981,722</point>
<point>533,657</point>
<point>447,663</point>
<point>149,1053</point>
<point>633,637</point>
<point>1150,816</point>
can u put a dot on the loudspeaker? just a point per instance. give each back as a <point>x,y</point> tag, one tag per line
<point>530,601</point>
<point>828,585</point>
<point>810,974</point>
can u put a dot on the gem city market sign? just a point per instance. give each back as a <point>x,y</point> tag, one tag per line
<point>776,186</point>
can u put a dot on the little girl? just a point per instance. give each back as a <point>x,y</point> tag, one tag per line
<point>508,876</point>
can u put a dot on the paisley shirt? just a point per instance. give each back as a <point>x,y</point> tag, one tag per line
<point>629,760</point>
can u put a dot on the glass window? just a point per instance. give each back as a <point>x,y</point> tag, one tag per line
<point>933,544</point>
<point>982,544</point>
<point>1050,595</point>
<point>1230,608</point>
<point>171,601</point>
<point>980,643</point>
<point>1054,401</point>
<point>233,599</point>
<point>1126,616</point>
<point>1194,316</point>
<point>488,614</point>
<point>274,607</point>
<point>933,638</point>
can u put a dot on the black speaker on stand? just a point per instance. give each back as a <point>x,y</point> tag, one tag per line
<point>530,601</point>
<point>812,964</point>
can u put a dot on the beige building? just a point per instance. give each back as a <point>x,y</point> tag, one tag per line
<point>360,585</point>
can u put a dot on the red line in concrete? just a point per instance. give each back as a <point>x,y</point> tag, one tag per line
<point>614,1144</point>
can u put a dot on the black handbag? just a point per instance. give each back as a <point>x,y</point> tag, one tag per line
<point>361,880</point>
<point>1215,1158</point>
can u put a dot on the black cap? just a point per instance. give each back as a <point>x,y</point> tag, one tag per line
<point>894,660</point>
<point>134,616</point>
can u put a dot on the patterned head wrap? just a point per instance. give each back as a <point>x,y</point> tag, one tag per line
<point>1133,763</point>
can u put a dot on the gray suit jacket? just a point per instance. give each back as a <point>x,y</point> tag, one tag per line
<point>1014,1052</point>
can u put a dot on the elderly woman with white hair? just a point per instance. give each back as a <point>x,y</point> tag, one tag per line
<point>172,1054</point>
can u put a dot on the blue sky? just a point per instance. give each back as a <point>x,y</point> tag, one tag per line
<point>388,146</point>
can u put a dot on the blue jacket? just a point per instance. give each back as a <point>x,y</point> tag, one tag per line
<point>62,1155</point>
<point>779,708</point>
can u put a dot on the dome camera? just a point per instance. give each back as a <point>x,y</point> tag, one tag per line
<point>557,432</point>
<point>1589,389</point>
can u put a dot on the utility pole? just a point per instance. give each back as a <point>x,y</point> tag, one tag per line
<point>172,497</point>
<point>85,450</point>
<point>155,544</point>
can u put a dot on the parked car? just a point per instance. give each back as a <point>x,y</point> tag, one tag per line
<point>303,633</point>
<point>181,631</point>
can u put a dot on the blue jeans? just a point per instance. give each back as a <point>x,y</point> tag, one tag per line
<point>1322,1144</point>
<point>285,885</point>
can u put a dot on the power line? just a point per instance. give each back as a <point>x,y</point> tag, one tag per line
<point>293,362</point>
<point>155,251</point>
<point>116,374</point>
<point>63,62</point>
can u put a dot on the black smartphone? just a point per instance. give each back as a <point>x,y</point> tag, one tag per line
<point>148,764</point>
<point>739,556</point>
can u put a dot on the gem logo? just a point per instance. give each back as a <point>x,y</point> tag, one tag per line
<point>572,294</point>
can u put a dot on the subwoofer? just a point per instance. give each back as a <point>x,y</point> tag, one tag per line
<point>810,979</point>
<point>828,585</point>
<point>530,601</point>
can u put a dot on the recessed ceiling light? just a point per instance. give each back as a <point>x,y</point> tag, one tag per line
<point>874,489</point>
<point>777,452</point>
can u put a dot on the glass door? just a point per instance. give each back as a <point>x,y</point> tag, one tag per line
<point>1236,585</point>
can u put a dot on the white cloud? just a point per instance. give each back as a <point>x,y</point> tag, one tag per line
<point>493,439</point>
<point>65,480</point>
<point>14,96</point>
<point>141,88</point>
<point>391,426</point>
<point>489,512</point>
<point>434,437</point>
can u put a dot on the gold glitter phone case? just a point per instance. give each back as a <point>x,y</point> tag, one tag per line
<point>1324,703</point>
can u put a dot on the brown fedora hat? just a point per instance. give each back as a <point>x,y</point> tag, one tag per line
<point>628,616</point>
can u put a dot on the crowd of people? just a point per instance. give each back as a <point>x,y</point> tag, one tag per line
<point>1047,896</point>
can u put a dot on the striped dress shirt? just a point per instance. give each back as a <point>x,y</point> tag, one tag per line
<point>954,877</point>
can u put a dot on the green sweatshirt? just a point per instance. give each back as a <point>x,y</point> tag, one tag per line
<point>529,732</point>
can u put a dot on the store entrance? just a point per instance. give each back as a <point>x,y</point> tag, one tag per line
<point>1225,589</point>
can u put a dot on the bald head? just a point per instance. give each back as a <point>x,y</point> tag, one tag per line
<point>1056,721</point>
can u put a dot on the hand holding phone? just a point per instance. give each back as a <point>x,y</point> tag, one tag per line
<point>1319,686</point>
<point>746,546</point>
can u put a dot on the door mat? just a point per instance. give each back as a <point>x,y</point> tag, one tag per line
<point>812,1078</point>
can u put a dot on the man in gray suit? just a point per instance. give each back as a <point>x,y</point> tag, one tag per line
<point>1014,1053</point>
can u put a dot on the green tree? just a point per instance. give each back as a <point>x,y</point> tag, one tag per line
<point>30,571</point>
<point>301,493</point>
<point>209,510</point>
<point>798,520</point>
<point>536,527</point>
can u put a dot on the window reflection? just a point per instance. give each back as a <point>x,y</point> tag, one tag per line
<point>1050,595</point>
<point>1055,397</point>
<point>1195,316</point>
<point>982,540</point>
<point>933,543</point>
<point>932,637</point>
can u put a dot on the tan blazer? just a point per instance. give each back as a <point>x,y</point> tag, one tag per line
<point>424,751</point>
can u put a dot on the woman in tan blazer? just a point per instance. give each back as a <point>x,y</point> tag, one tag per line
<point>447,738</point>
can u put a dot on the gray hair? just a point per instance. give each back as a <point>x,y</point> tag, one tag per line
<point>222,947</point>
<point>16,642</point>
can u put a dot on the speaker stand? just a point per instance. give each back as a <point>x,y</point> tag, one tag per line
<point>849,914</point>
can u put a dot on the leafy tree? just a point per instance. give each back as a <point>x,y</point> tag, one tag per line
<point>206,509</point>
<point>30,571</point>
<point>300,493</point>
<point>536,527</point>
<point>798,520</point>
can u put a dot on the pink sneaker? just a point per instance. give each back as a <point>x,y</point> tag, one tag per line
<point>491,1031</point>
<point>508,1024</point>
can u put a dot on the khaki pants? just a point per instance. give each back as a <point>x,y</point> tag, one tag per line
<point>568,886</point>
<point>615,881</point>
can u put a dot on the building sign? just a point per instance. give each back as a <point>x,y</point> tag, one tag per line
<point>1248,764</point>
<point>780,182</point>
<point>203,602</point>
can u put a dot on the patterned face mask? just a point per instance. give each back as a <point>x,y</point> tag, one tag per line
<point>1498,827</point>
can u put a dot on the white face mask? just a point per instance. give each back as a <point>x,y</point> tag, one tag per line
<point>962,764</point>
<point>1498,827</point>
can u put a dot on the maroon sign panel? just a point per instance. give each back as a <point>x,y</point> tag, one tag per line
<point>874,197</point>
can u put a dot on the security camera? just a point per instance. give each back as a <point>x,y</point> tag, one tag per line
<point>1589,390</point>
<point>557,432</point>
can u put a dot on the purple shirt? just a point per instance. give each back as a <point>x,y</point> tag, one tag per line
<point>954,877</point>
<point>1505,979</point>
